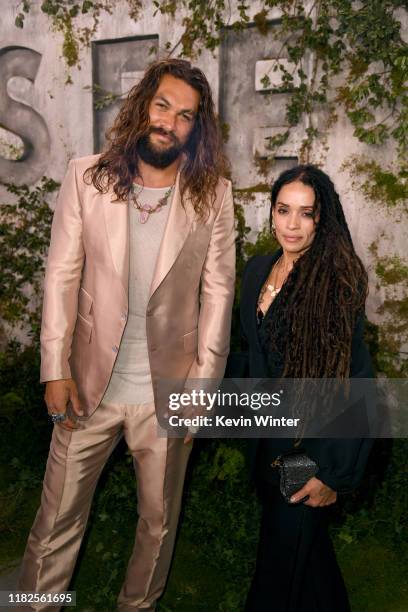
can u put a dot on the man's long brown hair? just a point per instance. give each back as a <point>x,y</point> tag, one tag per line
<point>317,308</point>
<point>204,160</point>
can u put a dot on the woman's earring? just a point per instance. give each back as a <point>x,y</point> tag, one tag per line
<point>273,227</point>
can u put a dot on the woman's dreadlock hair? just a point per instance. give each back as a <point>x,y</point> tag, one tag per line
<point>324,293</point>
<point>204,163</point>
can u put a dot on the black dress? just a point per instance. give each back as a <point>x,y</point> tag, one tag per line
<point>296,567</point>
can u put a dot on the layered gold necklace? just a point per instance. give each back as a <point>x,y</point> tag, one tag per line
<point>273,288</point>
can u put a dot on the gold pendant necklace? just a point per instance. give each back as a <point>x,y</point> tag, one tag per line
<point>273,290</point>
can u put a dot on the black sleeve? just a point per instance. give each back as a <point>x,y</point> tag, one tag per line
<point>238,362</point>
<point>342,461</point>
<point>361,365</point>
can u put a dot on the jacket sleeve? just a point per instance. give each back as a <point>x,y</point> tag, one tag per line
<point>342,461</point>
<point>62,278</point>
<point>238,361</point>
<point>216,297</point>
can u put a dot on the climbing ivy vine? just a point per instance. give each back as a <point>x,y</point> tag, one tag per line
<point>381,185</point>
<point>67,17</point>
<point>25,235</point>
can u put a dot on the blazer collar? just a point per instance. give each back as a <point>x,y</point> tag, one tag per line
<point>263,267</point>
<point>117,229</point>
<point>175,234</point>
<point>259,276</point>
<point>177,229</point>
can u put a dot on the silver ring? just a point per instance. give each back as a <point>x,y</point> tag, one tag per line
<point>57,417</point>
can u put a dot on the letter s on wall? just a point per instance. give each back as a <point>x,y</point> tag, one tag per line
<point>22,119</point>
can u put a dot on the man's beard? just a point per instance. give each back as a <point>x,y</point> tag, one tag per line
<point>158,158</point>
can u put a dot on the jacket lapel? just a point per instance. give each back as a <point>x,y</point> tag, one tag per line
<point>175,234</point>
<point>262,272</point>
<point>117,229</point>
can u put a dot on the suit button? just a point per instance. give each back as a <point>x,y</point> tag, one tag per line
<point>115,348</point>
<point>123,316</point>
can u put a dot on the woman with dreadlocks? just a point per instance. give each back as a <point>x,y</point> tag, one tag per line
<point>302,314</point>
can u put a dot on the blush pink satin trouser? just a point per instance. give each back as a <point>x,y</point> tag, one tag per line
<point>74,464</point>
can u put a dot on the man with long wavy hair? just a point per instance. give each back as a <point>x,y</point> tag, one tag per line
<point>139,288</point>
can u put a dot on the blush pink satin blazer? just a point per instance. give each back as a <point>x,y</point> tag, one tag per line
<point>86,289</point>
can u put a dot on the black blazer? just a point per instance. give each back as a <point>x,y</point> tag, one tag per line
<point>341,461</point>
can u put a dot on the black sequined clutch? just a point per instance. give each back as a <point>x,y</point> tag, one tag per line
<point>295,469</point>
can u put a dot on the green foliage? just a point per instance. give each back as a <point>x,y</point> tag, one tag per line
<point>388,339</point>
<point>203,23</point>
<point>102,97</point>
<point>222,514</point>
<point>274,142</point>
<point>66,17</point>
<point>385,343</point>
<point>25,235</point>
<point>381,512</point>
<point>383,186</point>
<point>347,39</point>
<point>386,187</point>
<point>135,8</point>
<point>343,38</point>
<point>265,244</point>
<point>24,433</point>
<point>25,6</point>
<point>20,389</point>
<point>391,270</point>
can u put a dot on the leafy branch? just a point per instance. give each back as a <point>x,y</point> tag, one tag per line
<point>66,15</point>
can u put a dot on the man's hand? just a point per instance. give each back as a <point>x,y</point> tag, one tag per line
<point>190,412</point>
<point>57,395</point>
<point>319,494</point>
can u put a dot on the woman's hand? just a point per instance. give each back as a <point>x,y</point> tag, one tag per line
<point>319,494</point>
